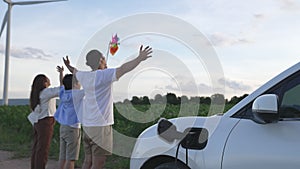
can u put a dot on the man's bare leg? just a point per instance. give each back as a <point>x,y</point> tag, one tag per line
<point>87,164</point>
<point>61,164</point>
<point>98,162</point>
<point>70,164</point>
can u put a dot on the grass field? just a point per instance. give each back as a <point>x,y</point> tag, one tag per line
<point>16,131</point>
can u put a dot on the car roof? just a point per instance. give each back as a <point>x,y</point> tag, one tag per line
<point>283,75</point>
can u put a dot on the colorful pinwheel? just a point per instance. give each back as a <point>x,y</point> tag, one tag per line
<point>113,45</point>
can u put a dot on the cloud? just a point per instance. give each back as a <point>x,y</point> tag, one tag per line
<point>222,39</point>
<point>27,53</point>
<point>259,16</point>
<point>184,84</point>
<point>188,88</point>
<point>234,85</point>
<point>289,5</point>
<point>184,87</point>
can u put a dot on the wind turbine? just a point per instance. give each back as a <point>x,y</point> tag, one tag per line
<point>7,21</point>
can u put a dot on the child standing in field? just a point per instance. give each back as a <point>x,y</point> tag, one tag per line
<point>43,103</point>
<point>70,97</point>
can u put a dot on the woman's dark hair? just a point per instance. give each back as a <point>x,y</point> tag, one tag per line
<point>68,81</point>
<point>37,86</point>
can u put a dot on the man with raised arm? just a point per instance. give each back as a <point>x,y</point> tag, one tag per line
<point>96,115</point>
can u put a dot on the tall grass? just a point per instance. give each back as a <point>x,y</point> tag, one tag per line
<point>17,133</point>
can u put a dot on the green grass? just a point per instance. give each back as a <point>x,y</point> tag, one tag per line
<point>16,131</point>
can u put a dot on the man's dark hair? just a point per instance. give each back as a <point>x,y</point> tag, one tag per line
<point>93,58</point>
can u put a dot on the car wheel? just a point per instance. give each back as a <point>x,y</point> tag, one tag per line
<point>172,165</point>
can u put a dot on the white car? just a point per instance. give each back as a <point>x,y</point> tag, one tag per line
<point>260,132</point>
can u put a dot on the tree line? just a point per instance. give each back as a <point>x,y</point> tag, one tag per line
<point>171,98</point>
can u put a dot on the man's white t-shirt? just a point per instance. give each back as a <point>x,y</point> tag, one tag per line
<point>97,108</point>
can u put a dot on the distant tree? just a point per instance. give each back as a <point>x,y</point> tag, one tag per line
<point>184,99</point>
<point>172,99</point>
<point>145,100</point>
<point>152,101</point>
<point>205,100</point>
<point>235,99</point>
<point>135,100</point>
<point>195,99</point>
<point>242,97</point>
<point>159,99</point>
<point>126,101</point>
<point>218,98</point>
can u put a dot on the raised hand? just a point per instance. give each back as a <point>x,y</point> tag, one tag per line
<point>66,61</point>
<point>145,53</point>
<point>61,76</point>
<point>60,69</point>
<point>68,65</point>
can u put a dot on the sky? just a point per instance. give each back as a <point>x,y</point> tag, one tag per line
<point>250,42</point>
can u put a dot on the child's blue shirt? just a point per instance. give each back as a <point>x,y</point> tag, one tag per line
<point>70,104</point>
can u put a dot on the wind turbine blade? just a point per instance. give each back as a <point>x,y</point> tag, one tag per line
<point>7,1</point>
<point>34,2</point>
<point>3,23</point>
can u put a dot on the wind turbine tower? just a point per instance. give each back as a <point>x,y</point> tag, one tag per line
<point>7,22</point>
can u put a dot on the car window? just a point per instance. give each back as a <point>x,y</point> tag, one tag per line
<point>288,92</point>
<point>290,102</point>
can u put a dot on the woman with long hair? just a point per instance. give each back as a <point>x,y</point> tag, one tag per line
<point>43,103</point>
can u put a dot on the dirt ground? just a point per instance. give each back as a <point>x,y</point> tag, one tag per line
<point>8,162</point>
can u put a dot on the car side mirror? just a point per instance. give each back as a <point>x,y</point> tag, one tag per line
<point>265,109</point>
